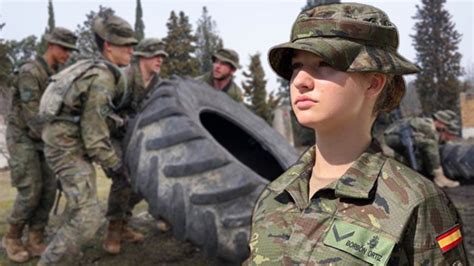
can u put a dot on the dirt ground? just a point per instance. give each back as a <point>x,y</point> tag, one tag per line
<point>161,248</point>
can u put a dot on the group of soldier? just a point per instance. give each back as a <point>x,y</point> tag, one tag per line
<point>97,99</point>
<point>89,125</point>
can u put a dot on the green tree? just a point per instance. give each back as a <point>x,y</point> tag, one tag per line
<point>255,90</point>
<point>180,47</point>
<point>208,40</point>
<point>313,3</point>
<point>436,42</point>
<point>139,25</point>
<point>21,51</point>
<point>5,67</point>
<point>43,44</point>
<point>86,41</point>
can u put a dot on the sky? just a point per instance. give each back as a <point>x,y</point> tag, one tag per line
<point>247,26</point>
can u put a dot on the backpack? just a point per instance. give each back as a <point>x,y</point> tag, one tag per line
<point>53,97</point>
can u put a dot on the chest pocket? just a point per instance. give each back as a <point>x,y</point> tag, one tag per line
<point>373,247</point>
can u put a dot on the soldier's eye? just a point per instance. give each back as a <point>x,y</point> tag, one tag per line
<point>324,64</point>
<point>295,66</point>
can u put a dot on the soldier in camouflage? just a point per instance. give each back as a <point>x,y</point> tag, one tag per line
<point>428,134</point>
<point>80,134</point>
<point>142,76</point>
<point>30,173</point>
<point>344,202</point>
<point>224,64</point>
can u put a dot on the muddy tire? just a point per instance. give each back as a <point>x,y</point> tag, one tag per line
<point>201,160</point>
<point>457,160</point>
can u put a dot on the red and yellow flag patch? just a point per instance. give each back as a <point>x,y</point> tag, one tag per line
<point>450,239</point>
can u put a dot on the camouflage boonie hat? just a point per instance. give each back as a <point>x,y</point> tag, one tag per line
<point>150,47</point>
<point>63,37</point>
<point>227,55</point>
<point>350,37</point>
<point>446,117</point>
<point>115,30</point>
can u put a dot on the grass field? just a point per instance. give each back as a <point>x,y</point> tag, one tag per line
<point>159,248</point>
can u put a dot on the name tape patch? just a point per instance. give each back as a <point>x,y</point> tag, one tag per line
<point>360,242</point>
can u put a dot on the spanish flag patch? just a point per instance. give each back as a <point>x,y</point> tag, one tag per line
<point>450,238</point>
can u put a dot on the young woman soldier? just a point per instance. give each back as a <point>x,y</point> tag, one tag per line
<point>344,202</point>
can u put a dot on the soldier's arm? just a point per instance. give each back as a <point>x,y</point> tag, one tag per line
<point>30,95</point>
<point>435,236</point>
<point>94,128</point>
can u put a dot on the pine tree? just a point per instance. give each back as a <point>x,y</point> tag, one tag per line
<point>255,90</point>
<point>86,41</point>
<point>139,25</point>
<point>5,67</point>
<point>179,44</point>
<point>314,3</point>
<point>436,42</point>
<point>43,45</point>
<point>208,40</point>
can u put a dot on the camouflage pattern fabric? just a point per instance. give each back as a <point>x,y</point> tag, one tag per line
<point>122,199</point>
<point>227,55</point>
<point>350,37</point>
<point>77,136</point>
<point>82,214</point>
<point>150,47</point>
<point>425,140</point>
<point>115,30</point>
<point>30,173</point>
<point>62,37</point>
<point>379,212</point>
<point>232,89</point>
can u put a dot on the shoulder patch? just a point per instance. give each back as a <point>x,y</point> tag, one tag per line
<point>450,238</point>
<point>360,242</point>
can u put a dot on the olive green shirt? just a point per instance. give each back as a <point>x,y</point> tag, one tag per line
<point>32,80</point>
<point>379,212</point>
<point>231,89</point>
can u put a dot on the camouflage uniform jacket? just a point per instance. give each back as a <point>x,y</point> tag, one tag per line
<point>232,89</point>
<point>84,122</point>
<point>423,127</point>
<point>32,80</point>
<point>136,88</point>
<point>378,212</point>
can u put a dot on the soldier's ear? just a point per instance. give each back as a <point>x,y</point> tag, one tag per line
<point>376,84</point>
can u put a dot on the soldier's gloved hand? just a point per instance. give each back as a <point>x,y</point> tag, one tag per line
<point>118,173</point>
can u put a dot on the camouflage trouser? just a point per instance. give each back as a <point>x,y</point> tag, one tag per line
<point>426,152</point>
<point>121,202</point>
<point>122,198</point>
<point>33,179</point>
<point>83,214</point>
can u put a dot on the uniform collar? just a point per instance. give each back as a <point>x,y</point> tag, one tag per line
<point>45,66</point>
<point>358,182</point>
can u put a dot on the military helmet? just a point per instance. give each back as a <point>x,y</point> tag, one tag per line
<point>227,55</point>
<point>150,47</point>
<point>350,37</point>
<point>63,37</point>
<point>114,30</point>
<point>444,116</point>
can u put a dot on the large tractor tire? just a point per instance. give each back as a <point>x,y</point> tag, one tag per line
<point>200,160</point>
<point>457,160</point>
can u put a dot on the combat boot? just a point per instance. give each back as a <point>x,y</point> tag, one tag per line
<point>15,249</point>
<point>441,180</point>
<point>114,236</point>
<point>35,244</point>
<point>130,235</point>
